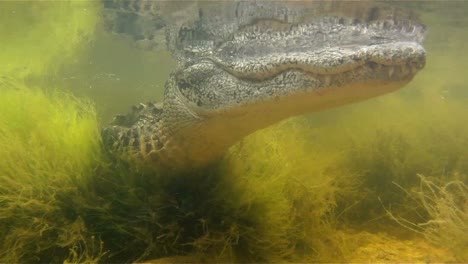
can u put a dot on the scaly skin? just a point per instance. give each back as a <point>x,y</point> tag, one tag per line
<point>243,66</point>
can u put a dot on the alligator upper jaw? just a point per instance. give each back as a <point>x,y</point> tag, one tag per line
<point>403,58</point>
<point>218,84</point>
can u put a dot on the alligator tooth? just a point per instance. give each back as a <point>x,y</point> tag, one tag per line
<point>327,80</point>
<point>390,71</point>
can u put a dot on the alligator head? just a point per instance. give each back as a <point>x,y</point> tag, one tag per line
<point>243,66</point>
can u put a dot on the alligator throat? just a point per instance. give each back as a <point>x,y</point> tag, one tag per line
<point>243,66</point>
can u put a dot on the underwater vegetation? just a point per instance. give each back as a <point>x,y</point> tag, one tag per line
<point>446,220</point>
<point>49,140</point>
<point>311,189</point>
<point>63,200</point>
<point>240,209</point>
<point>52,31</point>
<point>392,159</point>
<point>271,199</point>
<point>49,146</point>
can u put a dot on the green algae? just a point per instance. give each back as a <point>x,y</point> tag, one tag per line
<point>297,191</point>
<point>239,209</point>
<point>62,200</point>
<point>287,193</point>
<point>49,145</point>
<point>445,222</point>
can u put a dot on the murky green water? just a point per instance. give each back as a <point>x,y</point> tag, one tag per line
<point>354,175</point>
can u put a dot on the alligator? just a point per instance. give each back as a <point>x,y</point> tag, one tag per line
<point>245,65</point>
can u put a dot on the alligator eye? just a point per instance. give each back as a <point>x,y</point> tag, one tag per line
<point>183,84</point>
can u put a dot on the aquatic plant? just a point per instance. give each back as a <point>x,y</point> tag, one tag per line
<point>61,200</point>
<point>445,222</point>
<point>292,190</point>
<point>395,152</point>
<point>39,36</point>
<point>257,204</point>
<point>49,144</point>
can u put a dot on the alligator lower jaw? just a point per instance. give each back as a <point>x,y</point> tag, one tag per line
<point>220,129</point>
<point>369,72</point>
